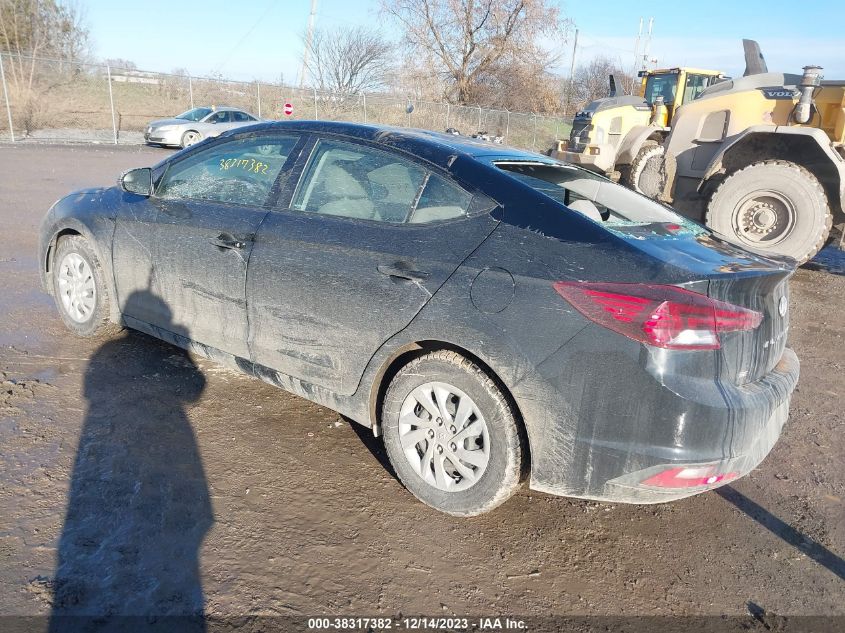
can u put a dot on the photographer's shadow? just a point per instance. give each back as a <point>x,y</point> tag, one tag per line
<point>138,506</point>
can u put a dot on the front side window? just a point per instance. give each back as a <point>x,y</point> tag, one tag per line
<point>661,86</point>
<point>360,182</point>
<point>240,171</point>
<point>694,86</point>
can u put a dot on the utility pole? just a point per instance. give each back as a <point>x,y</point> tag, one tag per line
<point>647,46</point>
<point>636,57</point>
<point>309,37</point>
<point>571,73</point>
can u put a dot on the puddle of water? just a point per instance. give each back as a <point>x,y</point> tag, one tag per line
<point>21,313</point>
<point>830,259</point>
<point>48,375</point>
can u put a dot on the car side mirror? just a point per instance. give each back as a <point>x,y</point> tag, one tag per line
<point>138,181</point>
<point>212,121</point>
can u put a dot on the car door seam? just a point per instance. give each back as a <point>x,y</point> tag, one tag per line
<point>423,306</point>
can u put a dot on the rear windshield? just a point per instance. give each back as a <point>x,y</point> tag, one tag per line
<point>590,194</point>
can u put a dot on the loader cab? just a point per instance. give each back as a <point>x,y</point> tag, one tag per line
<point>676,85</point>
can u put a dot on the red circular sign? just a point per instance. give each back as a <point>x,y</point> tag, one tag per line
<point>288,108</point>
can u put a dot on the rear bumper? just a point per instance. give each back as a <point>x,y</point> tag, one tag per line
<point>611,437</point>
<point>630,489</point>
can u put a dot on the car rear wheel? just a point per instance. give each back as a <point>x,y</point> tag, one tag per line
<point>191,137</point>
<point>774,206</point>
<point>78,288</point>
<point>451,435</point>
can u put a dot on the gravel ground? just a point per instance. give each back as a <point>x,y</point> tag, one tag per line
<point>137,480</point>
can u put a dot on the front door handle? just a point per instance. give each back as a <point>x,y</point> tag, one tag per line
<point>225,240</point>
<point>399,270</point>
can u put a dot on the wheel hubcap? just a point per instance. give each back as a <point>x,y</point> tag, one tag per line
<point>77,290</point>
<point>444,437</point>
<point>765,218</point>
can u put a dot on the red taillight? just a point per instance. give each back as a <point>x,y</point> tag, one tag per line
<point>662,316</point>
<point>688,477</point>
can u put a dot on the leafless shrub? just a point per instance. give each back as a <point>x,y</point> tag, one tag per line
<point>347,60</point>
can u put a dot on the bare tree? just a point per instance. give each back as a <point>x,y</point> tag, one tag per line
<point>591,80</point>
<point>519,86</point>
<point>31,28</point>
<point>39,28</point>
<point>466,41</point>
<point>348,60</point>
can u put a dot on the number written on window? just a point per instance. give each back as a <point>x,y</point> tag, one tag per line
<point>241,171</point>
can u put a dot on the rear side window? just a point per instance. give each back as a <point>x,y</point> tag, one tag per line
<point>240,171</point>
<point>241,117</point>
<point>440,200</point>
<point>365,183</point>
<point>220,117</point>
<point>360,182</point>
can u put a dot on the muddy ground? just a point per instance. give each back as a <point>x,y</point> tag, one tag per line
<point>248,500</point>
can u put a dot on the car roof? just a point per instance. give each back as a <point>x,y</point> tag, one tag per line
<point>414,141</point>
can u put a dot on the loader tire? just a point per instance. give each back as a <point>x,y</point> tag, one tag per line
<point>647,175</point>
<point>773,206</point>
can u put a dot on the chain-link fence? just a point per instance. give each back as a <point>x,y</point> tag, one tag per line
<point>70,101</point>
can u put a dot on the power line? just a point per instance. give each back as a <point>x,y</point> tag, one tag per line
<point>243,39</point>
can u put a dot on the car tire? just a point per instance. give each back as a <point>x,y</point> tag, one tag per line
<point>647,174</point>
<point>79,288</point>
<point>487,442</point>
<point>191,137</point>
<point>772,198</point>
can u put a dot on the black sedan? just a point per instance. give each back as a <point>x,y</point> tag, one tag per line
<point>494,314</point>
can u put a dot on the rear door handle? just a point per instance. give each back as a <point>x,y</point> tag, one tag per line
<point>225,240</point>
<point>400,271</point>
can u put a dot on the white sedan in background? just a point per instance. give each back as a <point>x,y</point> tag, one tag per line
<point>196,124</point>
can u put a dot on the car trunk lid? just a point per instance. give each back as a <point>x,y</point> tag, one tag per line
<point>728,273</point>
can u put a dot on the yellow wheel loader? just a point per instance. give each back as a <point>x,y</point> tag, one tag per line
<point>622,136</point>
<point>761,159</point>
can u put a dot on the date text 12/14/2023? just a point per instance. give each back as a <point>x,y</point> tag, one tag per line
<point>420,623</point>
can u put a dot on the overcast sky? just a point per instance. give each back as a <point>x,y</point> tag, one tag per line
<point>261,39</point>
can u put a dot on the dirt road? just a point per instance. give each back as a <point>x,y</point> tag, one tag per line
<point>125,460</point>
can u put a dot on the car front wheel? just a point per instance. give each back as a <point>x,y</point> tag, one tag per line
<point>78,288</point>
<point>451,435</point>
<point>191,137</point>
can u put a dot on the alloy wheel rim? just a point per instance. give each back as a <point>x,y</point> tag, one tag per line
<point>77,290</point>
<point>444,436</point>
